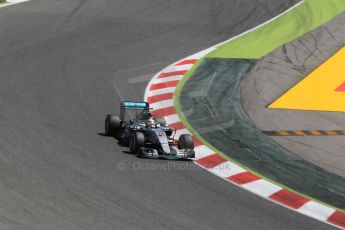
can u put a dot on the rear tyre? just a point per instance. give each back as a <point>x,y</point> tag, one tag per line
<point>112,125</point>
<point>136,142</point>
<point>185,142</point>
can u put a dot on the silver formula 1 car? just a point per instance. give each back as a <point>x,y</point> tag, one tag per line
<point>146,135</point>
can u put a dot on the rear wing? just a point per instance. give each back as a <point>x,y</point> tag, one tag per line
<point>135,105</point>
<point>132,105</point>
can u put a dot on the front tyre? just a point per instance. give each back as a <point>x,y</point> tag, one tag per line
<point>112,125</point>
<point>136,142</point>
<point>186,142</point>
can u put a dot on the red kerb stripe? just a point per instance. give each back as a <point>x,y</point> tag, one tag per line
<point>337,218</point>
<point>196,142</point>
<point>211,161</point>
<point>174,73</point>
<point>187,62</point>
<point>164,111</point>
<point>164,85</point>
<point>178,125</point>
<point>161,97</point>
<point>243,178</point>
<point>289,199</point>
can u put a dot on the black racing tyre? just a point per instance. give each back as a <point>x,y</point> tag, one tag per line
<point>136,142</point>
<point>185,142</point>
<point>161,121</point>
<point>112,125</point>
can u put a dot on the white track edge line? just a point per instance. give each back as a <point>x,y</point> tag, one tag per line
<point>10,3</point>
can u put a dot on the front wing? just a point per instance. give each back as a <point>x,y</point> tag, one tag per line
<point>178,154</point>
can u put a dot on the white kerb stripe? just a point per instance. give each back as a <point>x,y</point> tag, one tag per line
<point>316,210</point>
<point>166,79</point>
<point>227,169</point>
<point>162,104</point>
<point>201,53</point>
<point>178,68</point>
<point>171,119</point>
<point>262,188</point>
<point>180,132</point>
<point>161,91</point>
<point>203,151</point>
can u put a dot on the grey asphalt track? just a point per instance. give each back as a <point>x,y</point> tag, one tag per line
<point>63,66</point>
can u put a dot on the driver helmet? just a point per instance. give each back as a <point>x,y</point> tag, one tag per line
<point>147,116</point>
<point>148,124</point>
